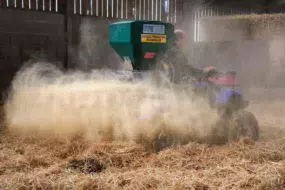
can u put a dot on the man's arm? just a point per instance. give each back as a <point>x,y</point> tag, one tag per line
<point>195,72</point>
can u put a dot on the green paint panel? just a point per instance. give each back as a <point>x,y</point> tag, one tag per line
<point>126,39</point>
<point>120,32</point>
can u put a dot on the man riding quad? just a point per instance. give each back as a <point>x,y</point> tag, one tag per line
<point>155,49</point>
<point>219,89</point>
<point>174,63</point>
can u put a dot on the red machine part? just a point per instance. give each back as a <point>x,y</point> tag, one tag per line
<point>149,55</point>
<point>224,79</point>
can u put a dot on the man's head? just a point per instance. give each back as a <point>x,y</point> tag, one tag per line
<point>179,38</point>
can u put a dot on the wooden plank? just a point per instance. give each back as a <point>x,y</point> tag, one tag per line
<point>130,5</point>
<point>136,9</point>
<point>114,2</point>
<point>32,4</point>
<point>69,7</point>
<point>77,7</point>
<point>140,7</point>
<point>95,8</point>
<point>154,9</point>
<point>51,5</point>
<point>10,3</point>
<point>173,11</point>
<point>179,11</point>
<point>149,9</point>
<point>103,8</point>
<point>25,4</point>
<point>100,8</point>
<point>17,3</point>
<point>159,9</point>
<point>91,5</point>
<point>44,5</point>
<point>119,9</point>
<point>170,11</point>
<point>144,9</point>
<point>84,6</point>
<point>111,8</point>
<point>163,12</point>
<point>127,2</point>
<point>123,8</point>
<point>115,8</point>
<point>106,8</point>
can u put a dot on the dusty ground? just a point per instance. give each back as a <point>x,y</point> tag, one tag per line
<point>34,163</point>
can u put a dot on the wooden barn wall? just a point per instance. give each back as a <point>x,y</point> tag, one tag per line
<point>72,33</point>
<point>75,34</point>
<point>25,35</point>
<point>88,44</point>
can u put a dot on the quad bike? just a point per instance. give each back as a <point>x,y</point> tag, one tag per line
<point>144,43</point>
<point>219,89</point>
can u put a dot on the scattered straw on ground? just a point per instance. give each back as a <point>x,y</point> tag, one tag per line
<point>30,161</point>
<point>34,163</point>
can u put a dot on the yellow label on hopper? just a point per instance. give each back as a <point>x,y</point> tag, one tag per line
<point>153,38</point>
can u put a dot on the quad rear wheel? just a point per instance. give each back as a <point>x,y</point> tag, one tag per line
<point>167,71</point>
<point>164,73</point>
<point>243,125</point>
<point>166,140</point>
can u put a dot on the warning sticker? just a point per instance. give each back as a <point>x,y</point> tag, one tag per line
<point>153,38</point>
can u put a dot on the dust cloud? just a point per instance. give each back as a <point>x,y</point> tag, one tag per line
<point>252,45</point>
<point>47,101</point>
